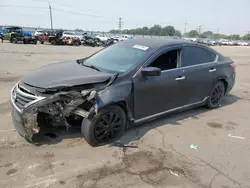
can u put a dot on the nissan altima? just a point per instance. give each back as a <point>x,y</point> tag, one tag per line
<point>123,85</point>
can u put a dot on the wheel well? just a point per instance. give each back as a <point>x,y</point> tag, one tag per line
<point>123,105</point>
<point>225,83</point>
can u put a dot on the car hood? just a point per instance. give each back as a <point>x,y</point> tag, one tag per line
<point>64,74</point>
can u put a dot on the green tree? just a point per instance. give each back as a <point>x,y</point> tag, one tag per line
<point>234,37</point>
<point>203,36</point>
<point>168,31</point>
<point>155,30</point>
<point>193,33</point>
<point>207,33</point>
<point>113,31</point>
<point>178,33</point>
<point>246,37</point>
<point>145,30</point>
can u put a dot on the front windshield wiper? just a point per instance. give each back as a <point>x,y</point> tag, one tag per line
<point>81,61</point>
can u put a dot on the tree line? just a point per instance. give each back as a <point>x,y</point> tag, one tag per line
<point>158,30</point>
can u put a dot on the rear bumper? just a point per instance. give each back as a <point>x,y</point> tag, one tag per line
<point>231,82</point>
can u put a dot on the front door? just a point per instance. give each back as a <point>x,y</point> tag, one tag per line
<point>156,94</point>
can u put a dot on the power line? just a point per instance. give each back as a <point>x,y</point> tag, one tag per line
<point>21,6</point>
<point>56,9</point>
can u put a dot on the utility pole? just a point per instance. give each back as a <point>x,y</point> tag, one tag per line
<point>50,12</point>
<point>120,24</point>
<point>51,20</point>
<point>199,29</point>
<point>185,27</point>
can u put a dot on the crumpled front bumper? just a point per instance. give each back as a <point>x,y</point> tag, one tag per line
<point>24,120</point>
<point>18,121</point>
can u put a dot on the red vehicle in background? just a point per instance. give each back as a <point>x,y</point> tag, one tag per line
<point>45,36</point>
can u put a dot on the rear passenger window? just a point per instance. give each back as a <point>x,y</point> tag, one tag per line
<point>196,55</point>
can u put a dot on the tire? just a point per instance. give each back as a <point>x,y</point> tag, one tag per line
<point>96,130</point>
<point>35,42</point>
<point>53,42</point>
<point>215,96</point>
<point>41,42</point>
<point>14,40</point>
<point>25,41</point>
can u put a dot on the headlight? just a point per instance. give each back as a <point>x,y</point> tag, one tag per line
<point>86,92</point>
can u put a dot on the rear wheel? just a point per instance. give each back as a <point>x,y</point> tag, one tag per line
<point>216,94</point>
<point>105,127</point>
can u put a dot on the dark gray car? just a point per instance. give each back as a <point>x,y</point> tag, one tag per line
<point>131,82</point>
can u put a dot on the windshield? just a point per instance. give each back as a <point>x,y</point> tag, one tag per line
<point>116,58</point>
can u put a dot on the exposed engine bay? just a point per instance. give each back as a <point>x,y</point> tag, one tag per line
<point>55,107</point>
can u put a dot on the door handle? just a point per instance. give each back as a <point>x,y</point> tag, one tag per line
<point>212,70</point>
<point>180,78</point>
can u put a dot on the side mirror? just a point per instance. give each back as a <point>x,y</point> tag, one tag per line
<point>151,71</point>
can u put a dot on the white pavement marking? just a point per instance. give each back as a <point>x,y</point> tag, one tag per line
<point>239,137</point>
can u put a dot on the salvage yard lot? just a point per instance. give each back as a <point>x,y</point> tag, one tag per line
<point>155,154</point>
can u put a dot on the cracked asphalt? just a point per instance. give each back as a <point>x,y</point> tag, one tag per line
<point>155,154</point>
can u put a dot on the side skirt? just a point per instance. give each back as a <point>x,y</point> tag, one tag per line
<point>181,108</point>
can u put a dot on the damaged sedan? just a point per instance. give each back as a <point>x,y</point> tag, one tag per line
<point>128,83</point>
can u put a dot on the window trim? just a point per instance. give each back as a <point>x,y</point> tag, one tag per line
<point>166,51</point>
<point>157,54</point>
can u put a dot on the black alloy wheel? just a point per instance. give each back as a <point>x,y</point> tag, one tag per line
<point>107,127</point>
<point>216,95</point>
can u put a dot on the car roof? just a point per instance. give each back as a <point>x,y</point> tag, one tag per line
<point>155,43</point>
<point>13,27</point>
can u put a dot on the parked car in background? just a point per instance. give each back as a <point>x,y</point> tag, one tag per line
<point>68,34</point>
<point>102,38</point>
<point>39,32</point>
<point>125,37</point>
<point>128,83</point>
<point>16,34</point>
<point>243,43</point>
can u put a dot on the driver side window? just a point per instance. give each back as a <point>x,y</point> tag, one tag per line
<point>167,61</point>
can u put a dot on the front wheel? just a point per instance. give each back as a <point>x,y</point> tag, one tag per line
<point>14,40</point>
<point>105,127</point>
<point>216,94</point>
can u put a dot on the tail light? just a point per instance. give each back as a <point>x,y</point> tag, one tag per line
<point>233,65</point>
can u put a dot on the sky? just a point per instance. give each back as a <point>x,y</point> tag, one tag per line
<point>228,16</point>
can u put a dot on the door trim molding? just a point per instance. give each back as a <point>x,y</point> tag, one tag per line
<point>168,111</point>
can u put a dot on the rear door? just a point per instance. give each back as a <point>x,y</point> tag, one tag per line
<point>199,65</point>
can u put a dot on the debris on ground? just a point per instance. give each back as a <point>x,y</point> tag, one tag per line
<point>192,146</point>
